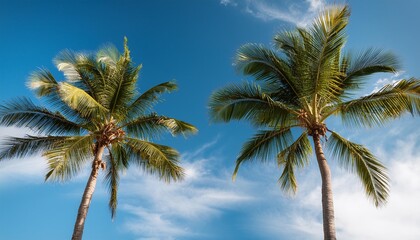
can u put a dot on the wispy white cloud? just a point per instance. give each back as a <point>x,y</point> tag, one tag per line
<point>400,217</point>
<point>174,208</point>
<point>228,2</point>
<point>20,170</point>
<point>381,82</point>
<point>30,169</point>
<point>299,13</point>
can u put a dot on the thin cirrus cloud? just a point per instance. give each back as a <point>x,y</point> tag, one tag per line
<point>299,13</point>
<point>381,82</point>
<point>166,211</point>
<point>29,169</point>
<point>24,169</point>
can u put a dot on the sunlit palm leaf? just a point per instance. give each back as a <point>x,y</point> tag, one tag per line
<point>45,86</point>
<point>42,82</point>
<point>264,145</point>
<point>152,125</point>
<point>325,41</point>
<point>155,159</point>
<point>108,55</point>
<point>386,104</point>
<point>121,86</point>
<point>80,100</point>
<point>359,159</point>
<point>295,155</point>
<point>82,71</point>
<point>68,157</point>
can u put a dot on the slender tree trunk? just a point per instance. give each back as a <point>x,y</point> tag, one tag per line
<point>87,195</point>
<point>327,195</point>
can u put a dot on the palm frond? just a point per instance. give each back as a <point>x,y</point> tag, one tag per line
<point>80,100</point>
<point>68,157</point>
<point>42,82</point>
<point>82,71</point>
<point>66,62</point>
<point>146,101</point>
<point>359,159</point>
<point>295,155</point>
<point>112,178</point>
<point>108,55</point>
<point>121,87</point>
<point>247,101</point>
<point>16,147</point>
<point>151,126</point>
<point>365,64</point>
<point>22,112</point>
<point>155,159</point>
<point>265,65</point>
<point>44,85</point>
<point>116,161</point>
<point>263,145</point>
<point>388,103</point>
<point>296,46</point>
<point>326,38</point>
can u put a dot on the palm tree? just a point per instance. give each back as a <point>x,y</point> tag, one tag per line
<point>97,117</point>
<point>303,82</point>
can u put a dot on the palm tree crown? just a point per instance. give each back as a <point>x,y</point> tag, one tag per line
<point>306,79</point>
<point>96,109</point>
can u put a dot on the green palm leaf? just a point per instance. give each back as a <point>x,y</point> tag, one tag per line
<point>42,82</point>
<point>121,86</point>
<point>15,147</point>
<point>359,159</point>
<point>112,178</point>
<point>365,64</point>
<point>80,100</point>
<point>82,71</point>
<point>263,145</point>
<point>45,86</point>
<point>155,159</point>
<point>247,101</point>
<point>153,125</point>
<point>147,100</point>
<point>386,104</point>
<point>68,157</point>
<point>264,64</point>
<point>22,112</point>
<point>116,161</point>
<point>326,40</point>
<point>295,155</point>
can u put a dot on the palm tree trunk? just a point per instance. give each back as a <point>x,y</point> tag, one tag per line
<point>327,195</point>
<point>87,195</point>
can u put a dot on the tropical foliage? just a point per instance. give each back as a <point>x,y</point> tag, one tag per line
<point>96,116</point>
<point>303,81</point>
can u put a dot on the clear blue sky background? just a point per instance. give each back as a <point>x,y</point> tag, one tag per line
<point>194,42</point>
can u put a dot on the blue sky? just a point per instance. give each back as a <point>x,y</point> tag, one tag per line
<point>194,42</point>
